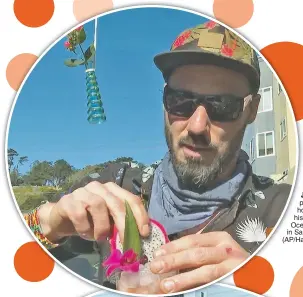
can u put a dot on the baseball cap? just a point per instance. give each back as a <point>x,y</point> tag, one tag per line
<point>211,43</point>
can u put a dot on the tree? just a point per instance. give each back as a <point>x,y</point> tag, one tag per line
<point>77,175</point>
<point>48,173</point>
<point>124,159</point>
<point>40,174</point>
<point>61,171</point>
<point>21,161</point>
<point>15,177</point>
<point>11,155</point>
<point>128,160</point>
<point>13,166</point>
<point>141,165</point>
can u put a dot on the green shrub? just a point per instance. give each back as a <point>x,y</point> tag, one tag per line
<point>29,197</point>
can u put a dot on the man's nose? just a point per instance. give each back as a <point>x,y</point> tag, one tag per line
<point>198,123</point>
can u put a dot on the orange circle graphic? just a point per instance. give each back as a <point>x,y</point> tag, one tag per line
<point>18,68</point>
<point>257,275</point>
<point>34,13</point>
<point>296,288</point>
<point>86,9</point>
<point>286,59</point>
<point>32,263</point>
<point>234,13</point>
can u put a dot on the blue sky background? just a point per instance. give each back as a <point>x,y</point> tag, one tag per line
<point>49,121</point>
<point>212,291</point>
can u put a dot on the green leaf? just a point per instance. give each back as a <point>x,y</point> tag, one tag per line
<point>132,238</point>
<point>81,36</point>
<point>73,62</point>
<point>89,53</point>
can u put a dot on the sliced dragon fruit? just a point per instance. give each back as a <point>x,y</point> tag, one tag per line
<point>150,244</point>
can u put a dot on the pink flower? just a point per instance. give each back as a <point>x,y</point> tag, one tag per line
<point>79,28</point>
<point>67,44</point>
<point>210,25</point>
<point>181,39</point>
<point>227,51</point>
<point>123,262</point>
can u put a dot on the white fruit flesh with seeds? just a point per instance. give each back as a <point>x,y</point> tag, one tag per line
<point>156,239</point>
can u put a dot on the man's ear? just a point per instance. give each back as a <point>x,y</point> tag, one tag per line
<point>253,108</point>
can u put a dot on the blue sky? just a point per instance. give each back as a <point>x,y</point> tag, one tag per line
<point>212,291</point>
<point>49,120</point>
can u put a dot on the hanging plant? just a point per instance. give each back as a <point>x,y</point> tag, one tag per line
<point>74,44</point>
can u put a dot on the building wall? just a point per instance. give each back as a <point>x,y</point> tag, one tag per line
<point>292,145</point>
<point>264,122</point>
<point>248,136</point>
<point>282,145</point>
<point>284,157</point>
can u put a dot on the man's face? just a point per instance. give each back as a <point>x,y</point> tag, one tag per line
<point>204,151</point>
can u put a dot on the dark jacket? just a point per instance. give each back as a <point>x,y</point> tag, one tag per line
<point>257,209</point>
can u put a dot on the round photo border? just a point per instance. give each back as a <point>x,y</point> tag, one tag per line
<point>145,6</point>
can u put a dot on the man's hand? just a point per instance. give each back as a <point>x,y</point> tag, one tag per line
<point>90,212</point>
<point>199,258</point>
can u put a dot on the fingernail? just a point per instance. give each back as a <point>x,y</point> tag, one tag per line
<point>145,229</point>
<point>169,286</point>
<point>157,266</point>
<point>159,253</point>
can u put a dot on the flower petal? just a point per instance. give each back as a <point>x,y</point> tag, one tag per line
<point>114,258</point>
<point>210,24</point>
<point>134,267</point>
<point>129,256</point>
<point>111,269</point>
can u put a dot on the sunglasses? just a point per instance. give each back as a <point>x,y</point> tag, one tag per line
<point>220,108</point>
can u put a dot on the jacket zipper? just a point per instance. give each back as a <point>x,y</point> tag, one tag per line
<point>201,231</point>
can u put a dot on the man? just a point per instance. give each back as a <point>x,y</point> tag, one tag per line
<point>215,210</point>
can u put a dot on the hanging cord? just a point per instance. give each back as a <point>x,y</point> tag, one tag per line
<point>95,41</point>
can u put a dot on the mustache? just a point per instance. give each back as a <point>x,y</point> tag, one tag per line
<point>199,141</point>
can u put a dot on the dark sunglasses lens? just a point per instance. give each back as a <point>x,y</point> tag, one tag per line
<point>221,108</point>
<point>224,108</point>
<point>177,104</point>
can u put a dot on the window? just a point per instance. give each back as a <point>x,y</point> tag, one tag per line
<point>265,144</point>
<point>283,131</point>
<point>266,99</point>
<point>252,150</point>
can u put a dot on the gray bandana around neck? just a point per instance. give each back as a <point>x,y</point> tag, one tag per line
<point>179,209</point>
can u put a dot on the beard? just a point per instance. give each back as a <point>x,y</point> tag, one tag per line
<point>194,173</point>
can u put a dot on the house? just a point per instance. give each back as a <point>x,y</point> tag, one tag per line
<point>271,140</point>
